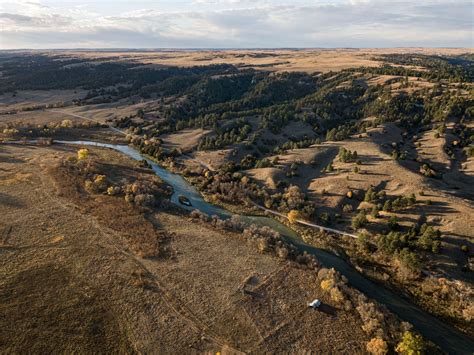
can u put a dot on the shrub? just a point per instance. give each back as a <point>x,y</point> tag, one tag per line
<point>10,131</point>
<point>82,154</point>
<point>113,190</point>
<point>411,344</point>
<point>66,124</point>
<point>468,312</point>
<point>262,245</point>
<point>293,215</point>
<point>377,346</point>
<point>282,252</point>
<point>89,186</point>
<point>370,316</point>
<point>347,208</point>
<point>336,295</point>
<point>326,285</point>
<point>100,182</point>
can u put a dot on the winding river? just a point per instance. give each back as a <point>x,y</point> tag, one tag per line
<point>432,328</point>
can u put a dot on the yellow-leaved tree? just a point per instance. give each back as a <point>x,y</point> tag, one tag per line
<point>293,215</point>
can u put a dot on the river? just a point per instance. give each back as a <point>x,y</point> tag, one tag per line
<point>432,328</point>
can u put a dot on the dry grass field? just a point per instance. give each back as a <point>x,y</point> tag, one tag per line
<point>308,60</point>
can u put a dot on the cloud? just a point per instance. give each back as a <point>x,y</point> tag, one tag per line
<point>244,23</point>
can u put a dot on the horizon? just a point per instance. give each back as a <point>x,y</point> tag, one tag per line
<point>178,49</point>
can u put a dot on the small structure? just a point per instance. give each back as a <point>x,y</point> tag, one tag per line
<point>315,304</point>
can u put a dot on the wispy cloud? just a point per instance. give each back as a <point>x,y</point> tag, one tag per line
<point>241,23</point>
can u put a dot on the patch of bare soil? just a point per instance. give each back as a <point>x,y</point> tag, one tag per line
<point>186,140</point>
<point>29,98</point>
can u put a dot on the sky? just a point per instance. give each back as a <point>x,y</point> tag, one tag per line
<point>39,24</point>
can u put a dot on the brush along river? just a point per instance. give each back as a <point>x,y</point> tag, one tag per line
<point>432,328</point>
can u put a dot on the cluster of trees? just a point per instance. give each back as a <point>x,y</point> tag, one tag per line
<point>404,246</point>
<point>458,68</point>
<point>388,204</point>
<point>234,134</point>
<point>345,155</point>
<point>297,143</point>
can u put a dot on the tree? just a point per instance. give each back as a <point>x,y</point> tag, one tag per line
<point>359,221</point>
<point>375,211</point>
<point>363,242</point>
<point>411,344</point>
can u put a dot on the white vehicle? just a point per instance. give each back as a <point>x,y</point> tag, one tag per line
<point>315,304</point>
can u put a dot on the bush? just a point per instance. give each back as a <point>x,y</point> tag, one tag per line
<point>377,346</point>
<point>100,182</point>
<point>282,252</point>
<point>347,208</point>
<point>326,285</point>
<point>411,344</point>
<point>293,215</point>
<point>336,295</point>
<point>10,131</point>
<point>82,154</point>
<point>114,190</point>
<point>370,316</point>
